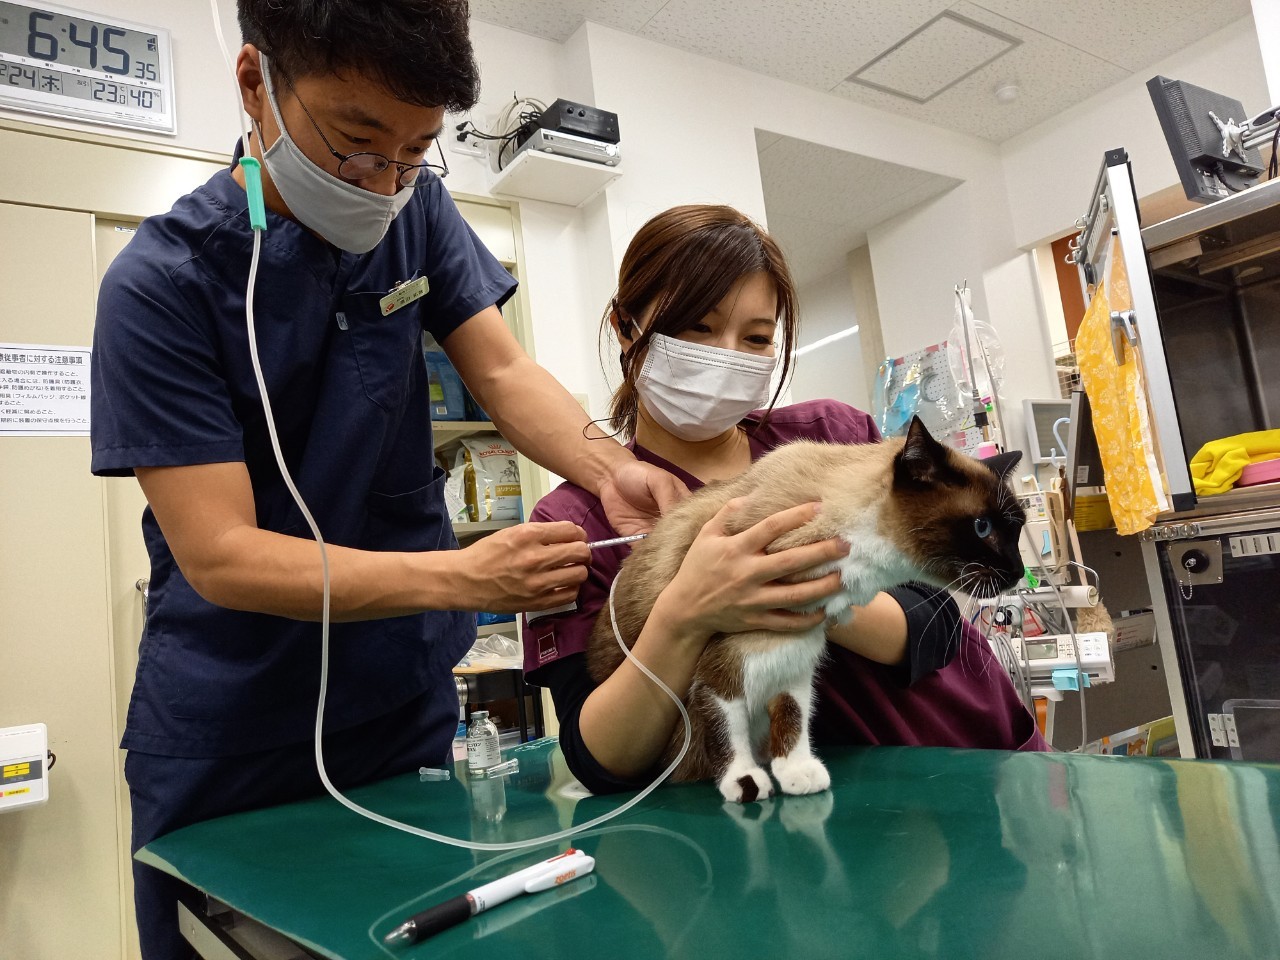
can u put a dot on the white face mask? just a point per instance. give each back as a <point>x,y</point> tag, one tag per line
<point>698,392</point>
<point>349,217</point>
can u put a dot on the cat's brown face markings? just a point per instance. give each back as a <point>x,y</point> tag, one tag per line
<point>955,516</point>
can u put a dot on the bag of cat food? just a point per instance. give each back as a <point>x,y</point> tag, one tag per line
<point>497,478</point>
<point>459,490</point>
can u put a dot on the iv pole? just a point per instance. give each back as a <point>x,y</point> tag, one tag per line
<point>971,337</point>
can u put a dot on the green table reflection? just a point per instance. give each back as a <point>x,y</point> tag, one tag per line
<point>913,853</point>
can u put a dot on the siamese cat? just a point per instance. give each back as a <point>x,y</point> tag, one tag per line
<point>911,509</point>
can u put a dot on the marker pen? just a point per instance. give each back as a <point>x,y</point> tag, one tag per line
<point>541,876</point>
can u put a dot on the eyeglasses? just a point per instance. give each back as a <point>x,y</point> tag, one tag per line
<point>362,166</point>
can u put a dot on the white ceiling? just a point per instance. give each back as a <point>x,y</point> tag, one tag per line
<point>945,59</point>
<point>820,202</point>
<point>1064,52</point>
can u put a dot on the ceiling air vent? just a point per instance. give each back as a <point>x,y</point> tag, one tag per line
<point>934,58</point>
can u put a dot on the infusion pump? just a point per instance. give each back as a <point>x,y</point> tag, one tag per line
<point>1050,660</point>
<point>1043,544</point>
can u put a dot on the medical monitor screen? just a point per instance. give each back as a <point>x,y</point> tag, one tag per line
<point>1084,462</point>
<point>1041,415</point>
<point>1195,141</point>
<point>1041,651</point>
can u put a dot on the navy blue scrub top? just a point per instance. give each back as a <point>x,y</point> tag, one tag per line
<point>173,384</point>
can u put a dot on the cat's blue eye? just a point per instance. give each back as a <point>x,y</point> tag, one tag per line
<point>982,527</point>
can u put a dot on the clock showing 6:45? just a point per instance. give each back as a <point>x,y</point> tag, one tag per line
<point>67,63</point>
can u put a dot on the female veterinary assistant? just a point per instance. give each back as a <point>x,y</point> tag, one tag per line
<point>710,290</point>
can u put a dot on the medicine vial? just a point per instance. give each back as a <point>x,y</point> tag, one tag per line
<point>482,744</point>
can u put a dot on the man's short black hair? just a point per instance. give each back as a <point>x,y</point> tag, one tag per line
<point>420,50</point>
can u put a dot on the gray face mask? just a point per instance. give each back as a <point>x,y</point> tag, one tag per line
<point>349,217</point>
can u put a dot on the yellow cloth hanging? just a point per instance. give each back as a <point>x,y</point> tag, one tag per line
<point>1119,404</point>
<point>1218,464</point>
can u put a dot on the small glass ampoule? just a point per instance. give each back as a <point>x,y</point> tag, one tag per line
<point>483,751</point>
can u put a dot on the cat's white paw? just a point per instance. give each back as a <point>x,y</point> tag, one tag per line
<point>745,784</point>
<point>839,609</point>
<point>801,775</point>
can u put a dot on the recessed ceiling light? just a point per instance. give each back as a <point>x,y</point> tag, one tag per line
<point>1007,92</point>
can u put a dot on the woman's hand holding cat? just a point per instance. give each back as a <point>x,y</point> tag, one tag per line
<point>532,566</point>
<point>729,584</point>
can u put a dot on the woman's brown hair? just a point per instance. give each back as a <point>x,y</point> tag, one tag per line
<point>683,262</point>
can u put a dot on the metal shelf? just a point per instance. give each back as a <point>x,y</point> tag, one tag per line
<point>446,431</point>
<point>509,629</point>
<point>461,530</point>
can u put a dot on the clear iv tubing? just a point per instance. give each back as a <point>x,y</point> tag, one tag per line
<point>1071,631</point>
<point>1026,538</point>
<point>235,86</point>
<point>324,621</point>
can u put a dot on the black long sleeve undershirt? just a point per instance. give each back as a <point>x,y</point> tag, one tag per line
<point>933,624</point>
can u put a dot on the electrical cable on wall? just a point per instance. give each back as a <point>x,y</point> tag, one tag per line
<point>514,125</point>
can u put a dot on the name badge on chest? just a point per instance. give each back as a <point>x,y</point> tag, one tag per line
<point>402,294</point>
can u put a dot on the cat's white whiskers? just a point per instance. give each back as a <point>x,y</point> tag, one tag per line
<point>919,640</point>
<point>936,613</point>
<point>999,602</point>
<point>960,634</point>
<point>970,604</point>
<point>929,623</point>
<point>928,599</point>
<point>986,662</point>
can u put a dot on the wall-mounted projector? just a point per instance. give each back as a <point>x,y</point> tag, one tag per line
<point>566,129</point>
<point>578,119</point>
<point>570,145</point>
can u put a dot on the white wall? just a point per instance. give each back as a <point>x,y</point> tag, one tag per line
<point>1050,295</point>
<point>1266,17</point>
<point>984,228</point>
<point>834,371</point>
<point>689,128</point>
<point>920,256</point>
<point>204,96</point>
<point>677,148</point>
<point>569,268</point>
<point>1050,170</point>
<point>689,136</point>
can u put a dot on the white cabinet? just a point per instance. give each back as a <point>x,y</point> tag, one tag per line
<point>71,616</point>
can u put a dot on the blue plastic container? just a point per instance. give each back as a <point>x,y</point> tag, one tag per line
<point>448,395</point>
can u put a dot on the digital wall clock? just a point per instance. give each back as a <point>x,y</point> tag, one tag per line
<point>66,63</point>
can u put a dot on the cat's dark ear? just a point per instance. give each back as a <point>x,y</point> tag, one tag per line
<point>922,459</point>
<point>1002,464</point>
